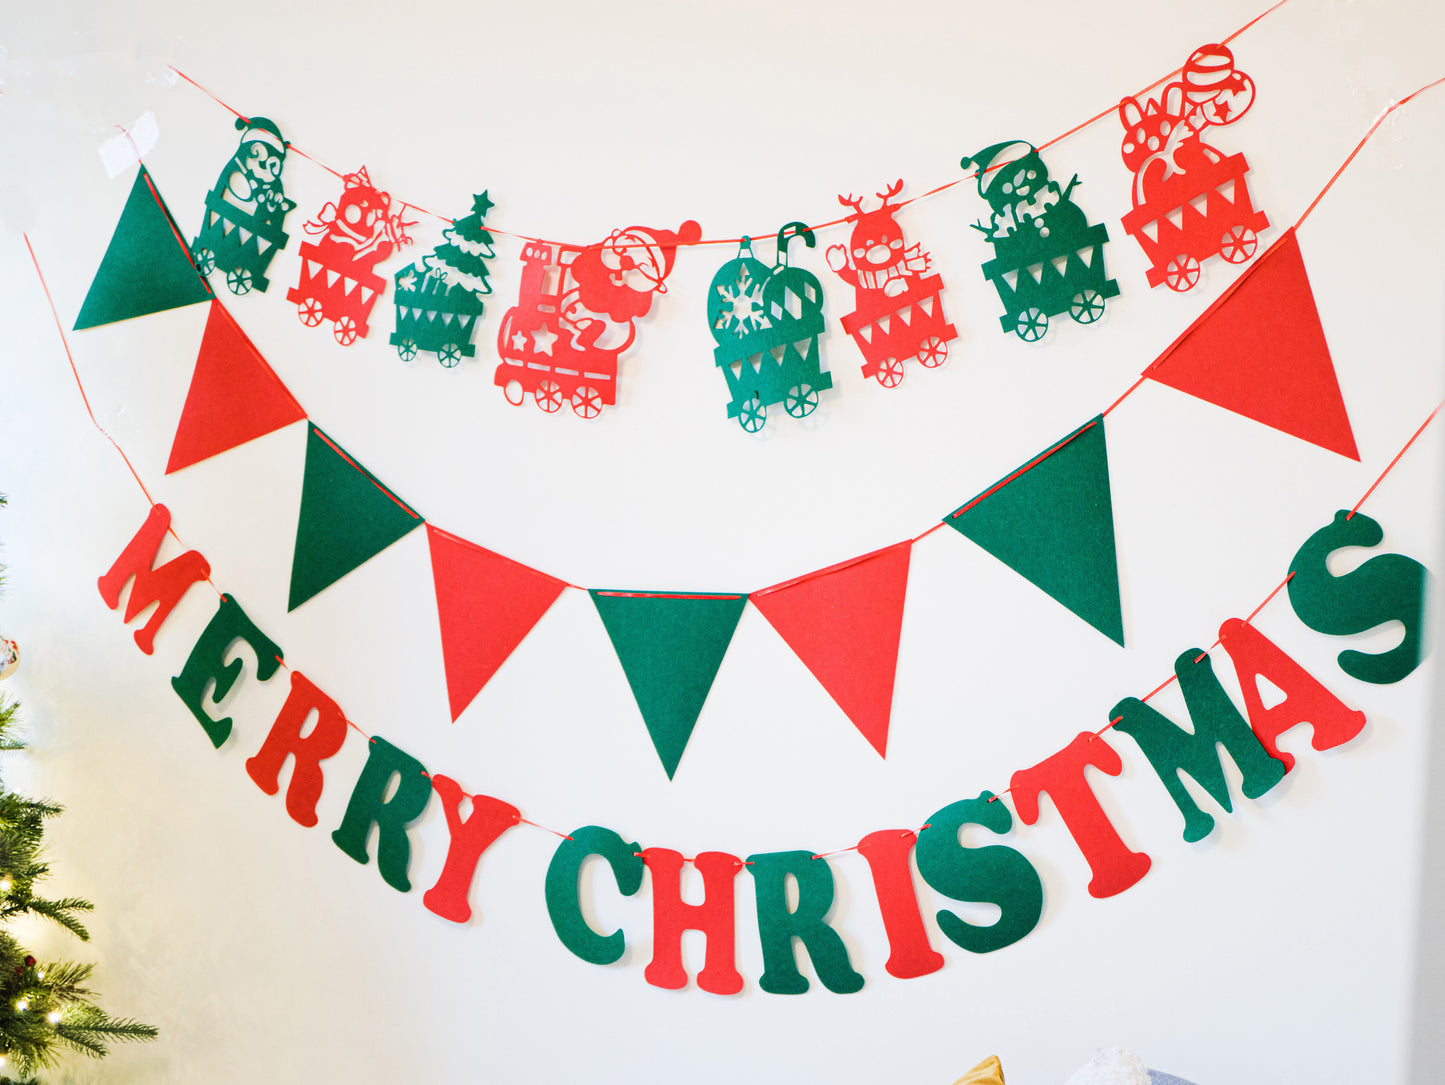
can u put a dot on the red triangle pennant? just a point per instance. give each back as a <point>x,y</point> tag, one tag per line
<point>1259,351</point>
<point>844,623</point>
<point>235,396</point>
<point>486,604</point>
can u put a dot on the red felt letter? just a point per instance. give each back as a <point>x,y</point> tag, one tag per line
<point>285,740</point>
<point>164,586</point>
<point>909,953</point>
<point>1114,866</point>
<point>714,917</point>
<point>489,819</point>
<point>1306,701</point>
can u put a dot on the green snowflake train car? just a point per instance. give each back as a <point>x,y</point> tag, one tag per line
<point>766,322</point>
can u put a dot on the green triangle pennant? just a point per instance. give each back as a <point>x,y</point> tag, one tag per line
<point>1052,522</point>
<point>670,648</point>
<point>347,518</point>
<point>146,267</point>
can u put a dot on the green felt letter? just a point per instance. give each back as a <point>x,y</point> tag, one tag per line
<point>562,904</point>
<point>995,874</point>
<point>207,662</point>
<point>368,806</point>
<point>778,926</point>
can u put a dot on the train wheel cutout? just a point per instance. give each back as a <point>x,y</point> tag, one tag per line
<point>449,355</point>
<point>933,352</point>
<point>239,280</point>
<point>310,312</point>
<point>1031,325</point>
<point>345,330</point>
<point>890,372</point>
<point>548,395</point>
<point>801,400</point>
<point>753,415</point>
<point>1238,244</point>
<point>514,392</point>
<point>1182,272</point>
<point>205,260</point>
<point>407,349</point>
<point>1087,306</point>
<point>587,402</point>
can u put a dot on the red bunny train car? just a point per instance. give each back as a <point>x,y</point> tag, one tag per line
<point>1194,215</point>
<point>909,325</point>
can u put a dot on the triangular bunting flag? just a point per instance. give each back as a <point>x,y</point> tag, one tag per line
<point>347,518</point>
<point>843,623</point>
<point>670,648</point>
<point>1259,351</point>
<point>486,604</point>
<point>235,396</point>
<point>146,268</point>
<point>1052,522</point>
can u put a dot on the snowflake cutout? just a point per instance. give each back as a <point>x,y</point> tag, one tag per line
<point>742,306</point>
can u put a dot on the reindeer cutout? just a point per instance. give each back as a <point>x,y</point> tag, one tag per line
<point>874,258</point>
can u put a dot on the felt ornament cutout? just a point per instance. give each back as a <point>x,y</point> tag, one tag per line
<point>1052,522</point>
<point>347,518</point>
<point>370,805</point>
<point>1259,351</point>
<point>1190,201</point>
<point>146,267</point>
<point>844,623</point>
<point>488,819</point>
<point>897,310</point>
<point>337,280</point>
<point>671,916</point>
<point>576,313</point>
<point>778,924</point>
<point>670,648</point>
<point>241,227</point>
<point>992,874</point>
<point>213,664</point>
<point>988,1072</point>
<point>1388,587</point>
<point>486,604</point>
<point>439,300</point>
<point>1047,258</point>
<point>563,908</point>
<point>165,585</point>
<point>323,740</point>
<point>909,954</point>
<point>234,396</point>
<point>766,322</point>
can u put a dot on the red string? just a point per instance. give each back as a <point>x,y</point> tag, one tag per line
<point>1109,112</point>
<point>1026,467</point>
<point>1396,460</point>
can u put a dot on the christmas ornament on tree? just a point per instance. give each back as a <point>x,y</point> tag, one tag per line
<point>1047,258</point>
<point>898,313</point>
<point>439,299</point>
<point>9,657</point>
<point>766,322</point>
<point>1190,201</point>
<point>337,282</point>
<point>241,228</point>
<point>575,315</point>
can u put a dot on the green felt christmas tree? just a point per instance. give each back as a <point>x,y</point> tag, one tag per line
<point>467,249</point>
<point>46,1007</point>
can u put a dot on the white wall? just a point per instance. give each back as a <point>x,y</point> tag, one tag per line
<point>1282,948</point>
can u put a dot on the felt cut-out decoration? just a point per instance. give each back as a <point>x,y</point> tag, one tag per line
<point>778,924</point>
<point>241,227</point>
<point>1388,587</point>
<point>1047,258</point>
<point>714,917</point>
<point>1190,201</point>
<point>844,623</point>
<point>1306,701</point>
<point>1115,867</point>
<point>1259,351</point>
<point>234,396</point>
<point>146,267</point>
<point>347,518</point>
<point>439,300</point>
<point>164,586</point>
<point>1052,522</point>
<point>670,648</point>
<point>576,313</point>
<point>213,664</point>
<point>322,741</point>
<point>337,280</point>
<point>766,322</point>
<point>988,1072</point>
<point>375,801</point>
<point>909,954</point>
<point>1173,751</point>
<point>486,604</point>
<point>992,874</point>
<point>469,838</point>
<point>563,908</point>
<point>897,313</point>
